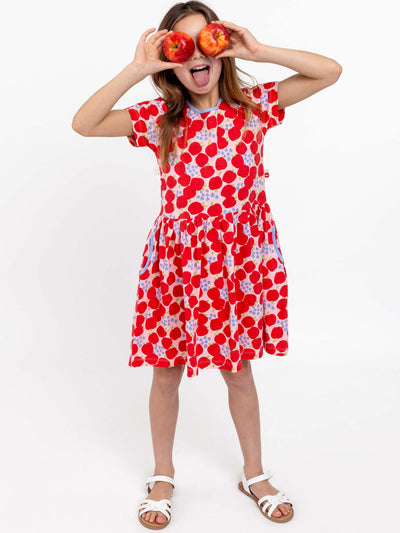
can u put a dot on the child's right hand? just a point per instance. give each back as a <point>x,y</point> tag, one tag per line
<point>147,54</point>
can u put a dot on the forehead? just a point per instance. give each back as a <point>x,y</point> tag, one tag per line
<point>191,24</point>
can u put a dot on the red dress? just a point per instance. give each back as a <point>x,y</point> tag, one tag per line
<point>212,286</point>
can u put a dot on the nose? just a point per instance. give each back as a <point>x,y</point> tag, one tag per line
<point>197,51</point>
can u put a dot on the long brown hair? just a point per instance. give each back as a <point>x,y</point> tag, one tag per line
<point>175,93</point>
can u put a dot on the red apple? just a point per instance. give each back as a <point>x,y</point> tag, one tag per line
<point>178,46</point>
<point>213,39</point>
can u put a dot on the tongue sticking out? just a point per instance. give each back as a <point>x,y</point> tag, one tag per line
<point>201,77</point>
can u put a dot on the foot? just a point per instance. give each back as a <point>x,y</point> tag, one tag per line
<point>263,488</point>
<point>160,490</point>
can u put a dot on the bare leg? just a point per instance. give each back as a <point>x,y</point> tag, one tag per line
<point>244,408</point>
<point>163,407</point>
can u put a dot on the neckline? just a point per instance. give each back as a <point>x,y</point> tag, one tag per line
<point>204,110</point>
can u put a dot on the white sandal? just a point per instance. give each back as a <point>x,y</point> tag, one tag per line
<point>272,500</point>
<point>163,506</point>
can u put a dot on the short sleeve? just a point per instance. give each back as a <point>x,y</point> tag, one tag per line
<point>145,121</point>
<point>266,94</point>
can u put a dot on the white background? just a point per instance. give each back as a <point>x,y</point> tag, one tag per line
<point>75,211</point>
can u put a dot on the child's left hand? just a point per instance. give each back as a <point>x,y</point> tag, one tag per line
<point>244,44</point>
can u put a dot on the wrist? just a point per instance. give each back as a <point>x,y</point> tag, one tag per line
<point>137,70</point>
<point>261,55</point>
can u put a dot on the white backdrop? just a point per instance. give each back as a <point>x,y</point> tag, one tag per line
<point>75,211</point>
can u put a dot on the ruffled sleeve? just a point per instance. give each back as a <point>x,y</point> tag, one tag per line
<point>266,94</point>
<point>145,118</point>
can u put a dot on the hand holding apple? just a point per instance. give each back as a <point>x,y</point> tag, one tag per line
<point>244,44</point>
<point>147,54</point>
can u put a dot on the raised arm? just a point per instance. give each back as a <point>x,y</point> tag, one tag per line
<point>315,71</point>
<point>95,118</point>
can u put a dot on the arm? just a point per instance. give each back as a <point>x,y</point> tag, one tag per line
<point>315,72</point>
<point>95,118</point>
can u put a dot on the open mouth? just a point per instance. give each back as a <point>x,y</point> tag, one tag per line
<point>201,75</point>
<point>199,69</point>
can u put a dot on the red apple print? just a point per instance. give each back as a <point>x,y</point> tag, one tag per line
<point>215,183</point>
<point>230,113</point>
<point>197,125</point>
<point>241,148</point>
<point>220,163</point>
<point>206,172</point>
<point>270,319</point>
<point>234,133</point>
<point>211,122</point>
<point>279,277</point>
<point>228,190</point>
<point>214,210</point>
<point>212,253</point>
<point>282,346</point>
<point>195,208</point>
<point>283,314</point>
<point>197,183</point>
<point>276,332</point>
<point>272,264</point>
<point>186,157</point>
<point>203,362</point>
<point>229,202</point>
<point>194,148</point>
<point>211,150</point>
<point>237,161</point>
<point>272,295</point>
<point>189,192</point>
<point>229,176</point>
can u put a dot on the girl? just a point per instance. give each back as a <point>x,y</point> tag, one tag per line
<point>212,289</point>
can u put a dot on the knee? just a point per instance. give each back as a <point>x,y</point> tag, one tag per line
<point>168,378</point>
<point>242,379</point>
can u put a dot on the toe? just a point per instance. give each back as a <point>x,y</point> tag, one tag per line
<point>283,509</point>
<point>277,512</point>
<point>160,517</point>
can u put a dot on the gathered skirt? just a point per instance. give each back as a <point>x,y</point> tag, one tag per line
<point>211,292</point>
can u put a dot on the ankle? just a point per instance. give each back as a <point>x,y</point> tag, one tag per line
<point>253,470</point>
<point>161,470</point>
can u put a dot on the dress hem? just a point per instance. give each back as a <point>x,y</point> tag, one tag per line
<point>136,362</point>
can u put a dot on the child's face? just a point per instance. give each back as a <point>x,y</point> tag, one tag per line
<point>192,24</point>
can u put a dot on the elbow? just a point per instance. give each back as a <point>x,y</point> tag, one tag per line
<point>338,69</point>
<point>78,129</point>
<point>336,72</point>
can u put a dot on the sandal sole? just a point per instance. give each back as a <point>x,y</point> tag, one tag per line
<point>282,518</point>
<point>153,525</point>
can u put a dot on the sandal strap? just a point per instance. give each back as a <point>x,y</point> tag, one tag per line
<point>152,479</point>
<point>273,500</point>
<point>162,506</point>
<point>247,482</point>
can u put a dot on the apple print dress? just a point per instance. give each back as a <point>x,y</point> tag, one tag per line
<point>212,286</point>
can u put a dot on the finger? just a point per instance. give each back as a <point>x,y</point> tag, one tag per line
<point>146,33</point>
<point>158,35</point>
<point>168,64</point>
<point>161,37</point>
<point>225,53</point>
<point>229,25</point>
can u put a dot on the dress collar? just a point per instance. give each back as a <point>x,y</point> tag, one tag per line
<point>204,110</point>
